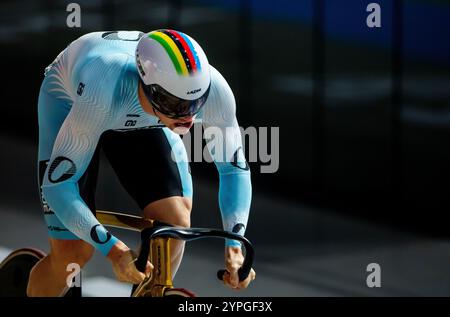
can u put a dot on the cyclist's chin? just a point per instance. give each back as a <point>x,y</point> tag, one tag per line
<point>180,130</point>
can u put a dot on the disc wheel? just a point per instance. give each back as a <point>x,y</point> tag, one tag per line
<point>15,271</point>
<point>178,292</point>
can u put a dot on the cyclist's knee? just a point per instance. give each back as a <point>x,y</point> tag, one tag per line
<point>173,210</point>
<point>183,213</point>
<point>70,251</point>
<point>183,219</point>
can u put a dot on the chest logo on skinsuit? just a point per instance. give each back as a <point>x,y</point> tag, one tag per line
<point>80,89</point>
<point>61,169</point>
<point>130,123</point>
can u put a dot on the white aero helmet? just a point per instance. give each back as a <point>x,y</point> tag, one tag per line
<point>174,72</point>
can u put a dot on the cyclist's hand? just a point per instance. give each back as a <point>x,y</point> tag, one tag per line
<point>233,261</point>
<point>122,259</point>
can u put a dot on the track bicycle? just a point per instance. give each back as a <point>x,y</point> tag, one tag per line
<point>155,247</point>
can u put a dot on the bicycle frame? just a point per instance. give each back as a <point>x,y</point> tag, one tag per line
<point>159,256</point>
<point>155,246</point>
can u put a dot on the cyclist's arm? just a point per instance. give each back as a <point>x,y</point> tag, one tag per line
<point>235,190</point>
<point>74,147</point>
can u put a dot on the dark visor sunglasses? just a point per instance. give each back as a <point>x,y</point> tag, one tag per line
<point>170,105</point>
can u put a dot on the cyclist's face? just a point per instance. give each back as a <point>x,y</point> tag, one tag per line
<point>178,125</point>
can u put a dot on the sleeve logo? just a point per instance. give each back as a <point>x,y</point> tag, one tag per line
<point>99,234</point>
<point>61,169</point>
<point>238,227</point>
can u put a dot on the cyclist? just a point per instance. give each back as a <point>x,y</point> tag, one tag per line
<point>131,94</point>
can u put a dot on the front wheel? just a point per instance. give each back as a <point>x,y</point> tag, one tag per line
<point>178,292</point>
<point>15,271</point>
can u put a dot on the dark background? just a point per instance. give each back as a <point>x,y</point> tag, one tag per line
<point>364,113</point>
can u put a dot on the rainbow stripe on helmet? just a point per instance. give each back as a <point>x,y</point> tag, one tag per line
<point>180,50</point>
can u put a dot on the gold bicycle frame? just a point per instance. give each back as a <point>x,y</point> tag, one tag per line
<point>161,277</point>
